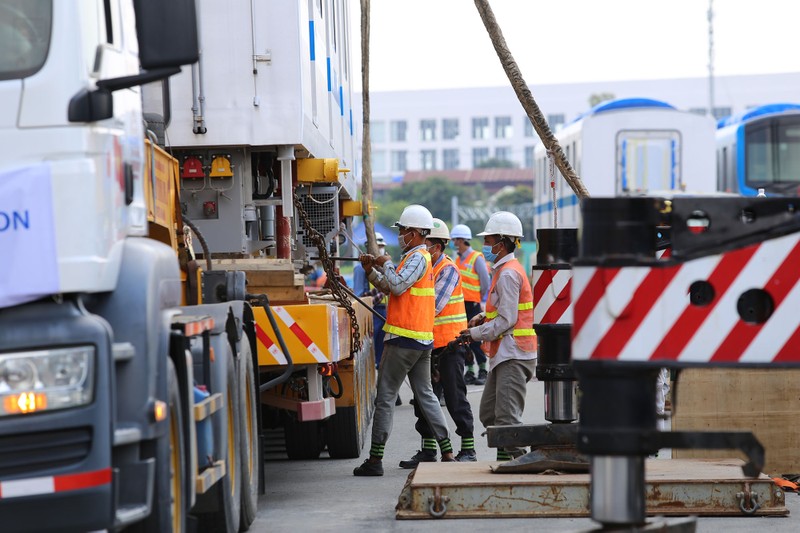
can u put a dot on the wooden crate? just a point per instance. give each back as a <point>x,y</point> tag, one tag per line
<point>764,402</point>
<point>263,272</point>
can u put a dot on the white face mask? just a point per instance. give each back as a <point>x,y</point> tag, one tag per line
<point>381,250</point>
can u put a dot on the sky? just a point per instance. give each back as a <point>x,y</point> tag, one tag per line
<point>437,44</point>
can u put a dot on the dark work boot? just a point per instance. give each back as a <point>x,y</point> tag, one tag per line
<point>482,375</point>
<point>469,377</point>
<point>370,467</point>
<point>467,456</point>
<point>422,456</point>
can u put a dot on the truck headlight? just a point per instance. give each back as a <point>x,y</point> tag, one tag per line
<point>45,380</point>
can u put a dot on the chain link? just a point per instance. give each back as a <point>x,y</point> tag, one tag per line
<point>333,281</point>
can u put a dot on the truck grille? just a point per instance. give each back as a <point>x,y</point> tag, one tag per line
<point>40,451</point>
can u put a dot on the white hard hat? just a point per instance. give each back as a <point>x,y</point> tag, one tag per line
<point>461,231</point>
<point>439,230</point>
<point>415,216</point>
<point>503,223</point>
<point>379,239</point>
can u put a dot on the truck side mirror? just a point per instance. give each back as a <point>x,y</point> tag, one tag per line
<point>167,33</point>
<point>90,106</point>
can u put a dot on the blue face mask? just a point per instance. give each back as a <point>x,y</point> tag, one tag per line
<point>452,245</point>
<point>488,253</point>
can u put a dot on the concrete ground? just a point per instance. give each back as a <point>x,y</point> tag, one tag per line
<point>323,495</point>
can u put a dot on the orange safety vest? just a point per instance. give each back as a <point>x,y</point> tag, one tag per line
<point>411,314</point>
<point>453,318</point>
<point>523,333</point>
<point>469,276</point>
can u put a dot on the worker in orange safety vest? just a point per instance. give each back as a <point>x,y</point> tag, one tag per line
<point>506,329</point>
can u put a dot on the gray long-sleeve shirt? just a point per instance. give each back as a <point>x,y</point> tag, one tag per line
<point>481,270</point>
<point>505,298</point>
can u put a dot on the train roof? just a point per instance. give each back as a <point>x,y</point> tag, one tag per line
<point>769,109</point>
<point>623,103</point>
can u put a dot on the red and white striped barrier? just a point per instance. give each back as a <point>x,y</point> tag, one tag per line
<point>551,296</point>
<point>645,314</point>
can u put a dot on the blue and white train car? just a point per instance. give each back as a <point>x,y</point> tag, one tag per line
<point>760,149</point>
<point>626,147</point>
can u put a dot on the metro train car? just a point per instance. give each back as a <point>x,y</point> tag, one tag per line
<point>628,146</point>
<point>760,149</point>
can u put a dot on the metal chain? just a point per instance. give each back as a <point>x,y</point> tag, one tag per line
<point>333,280</point>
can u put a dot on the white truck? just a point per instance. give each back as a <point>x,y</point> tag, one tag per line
<point>133,383</point>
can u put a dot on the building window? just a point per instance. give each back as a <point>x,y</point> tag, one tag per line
<point>379,161</point>
<point>449,129</point>
<point>502,153</point>
<point>479,156</point>
<point>398,130</point>
<point>529,157</point>
<point>399,160</point>
<point>427,130</point>
<point>722,112</point>
<point>377,132</point>
<point>450,157</point>
<point>480,128</point>
<point>502,127</point>
<point>427,160</point>
<point>528,127</point>
<point>555,121</point>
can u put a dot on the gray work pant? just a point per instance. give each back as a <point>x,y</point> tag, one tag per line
<point>396,363</point>
<point>503,399</point>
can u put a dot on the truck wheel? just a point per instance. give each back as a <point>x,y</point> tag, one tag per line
<point>169,499</point>
<point>342,434</point>
<point>227,492</point>
<point>304,440</point>
<point>249,425</point>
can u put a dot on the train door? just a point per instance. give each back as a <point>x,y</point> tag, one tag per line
<point>648,161</point>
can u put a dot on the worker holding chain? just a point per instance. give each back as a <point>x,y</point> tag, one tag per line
<point>409,336</point>
<point>448,354</point>
<point>506,329</point>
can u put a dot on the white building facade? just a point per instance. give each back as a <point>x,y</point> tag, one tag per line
<point>458,129</point>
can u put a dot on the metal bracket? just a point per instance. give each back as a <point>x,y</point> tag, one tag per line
<point>437,505</point>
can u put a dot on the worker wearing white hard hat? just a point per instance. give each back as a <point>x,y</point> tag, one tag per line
<point>448,357</point>
<point>475,279</point>
<point>506,328</point>
<point>409,336</point>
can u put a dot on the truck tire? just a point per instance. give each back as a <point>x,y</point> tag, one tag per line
<point>304,440</point>
<point>168,512</point>
<point>249,425</point>
<point>227,493</point>
<point>342,434</point>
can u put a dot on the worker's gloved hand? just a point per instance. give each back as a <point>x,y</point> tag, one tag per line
<point>377,297</point>
<point>477,320</point>
<point>367,261</point>
<point>381,259</point>
<point>465,336</point>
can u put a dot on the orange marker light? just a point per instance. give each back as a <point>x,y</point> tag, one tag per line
<point>25,402</point>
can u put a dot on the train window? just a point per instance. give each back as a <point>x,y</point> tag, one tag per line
<point>648,160</point>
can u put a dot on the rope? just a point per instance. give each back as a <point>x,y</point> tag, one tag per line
<point>552,172</point>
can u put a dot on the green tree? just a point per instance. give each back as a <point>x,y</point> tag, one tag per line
<point>520,194</point>
<point>493,162</point>
<point>599,98</point>
<point>434,193</point>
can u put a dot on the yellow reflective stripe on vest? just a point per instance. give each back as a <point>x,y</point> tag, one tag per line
<point>524,306</point>
<point>524,332</point>
<point>416,291</point>
<point>470,286</point>
<point>395,330</point>
<point>439,320</point>
<point>456,299</point>
<point>469,274</point>
<point>491,314</point>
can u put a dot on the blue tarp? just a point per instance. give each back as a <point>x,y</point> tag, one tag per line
<point>389,234</point>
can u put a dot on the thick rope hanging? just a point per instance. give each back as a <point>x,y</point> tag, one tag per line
<point>526,98</point>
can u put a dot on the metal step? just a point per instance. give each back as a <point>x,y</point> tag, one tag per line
<point>674,487</point>
<point>123,351</point>
<point>207,407</point>
<point>206,479</point>
<point>127,435</point>
<point>130,513</point>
